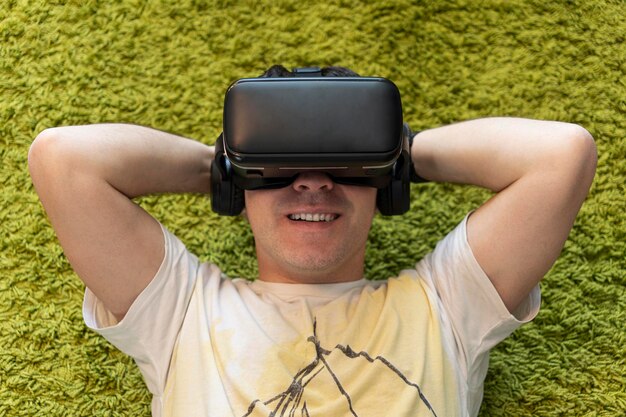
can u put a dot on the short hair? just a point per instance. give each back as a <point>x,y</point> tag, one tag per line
<point>279,71</point>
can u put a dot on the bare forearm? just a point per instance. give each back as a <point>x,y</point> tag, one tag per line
<point>494,152</point>
<point>135,160</point>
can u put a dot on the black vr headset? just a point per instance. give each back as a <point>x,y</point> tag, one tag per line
<point>347,127</point>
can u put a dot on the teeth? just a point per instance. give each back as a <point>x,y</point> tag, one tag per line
<point>310,217</point>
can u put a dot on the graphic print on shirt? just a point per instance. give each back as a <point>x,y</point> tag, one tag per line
<point>290,402</point>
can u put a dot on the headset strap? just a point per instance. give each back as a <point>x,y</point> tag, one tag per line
<point>307,72</point>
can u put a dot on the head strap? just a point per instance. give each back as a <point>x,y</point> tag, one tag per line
<point>307,72</point>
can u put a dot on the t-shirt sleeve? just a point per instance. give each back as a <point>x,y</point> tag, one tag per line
<point>472,307</point>
<point>149,330</point>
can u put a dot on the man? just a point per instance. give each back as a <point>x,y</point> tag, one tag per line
<point>311,337</point>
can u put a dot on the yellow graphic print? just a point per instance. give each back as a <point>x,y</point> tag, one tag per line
<point>328,369</point>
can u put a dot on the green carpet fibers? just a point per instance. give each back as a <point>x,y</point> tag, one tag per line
<point>167,65</point>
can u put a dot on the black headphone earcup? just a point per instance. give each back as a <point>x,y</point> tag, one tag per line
<point>395,198</point>
<point>383,201</point>
<point>238,201</point>
<point>226,198</point>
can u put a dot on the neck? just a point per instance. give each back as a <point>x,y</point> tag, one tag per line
<point>273,271</point>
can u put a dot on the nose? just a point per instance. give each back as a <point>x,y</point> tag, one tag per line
<point>313,181</point>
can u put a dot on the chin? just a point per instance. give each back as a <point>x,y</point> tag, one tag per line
<point>312,264</point>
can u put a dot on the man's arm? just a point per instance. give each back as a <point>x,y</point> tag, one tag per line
<point>86,177</point>
<point>541,172</point>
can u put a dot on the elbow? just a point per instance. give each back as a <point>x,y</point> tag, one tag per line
<point>40,150</point>
<point>583,152</point>
<point>49,156</point>
<point>578,158</point>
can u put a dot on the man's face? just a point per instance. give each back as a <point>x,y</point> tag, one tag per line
<point>313,231</point>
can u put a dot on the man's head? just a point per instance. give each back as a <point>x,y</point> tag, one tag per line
<point>314,230</point>
<point>278,71</point>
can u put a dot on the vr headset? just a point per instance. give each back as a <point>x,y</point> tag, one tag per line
<point>347,127</point>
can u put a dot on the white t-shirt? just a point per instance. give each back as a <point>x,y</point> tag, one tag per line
<point>414,345</point>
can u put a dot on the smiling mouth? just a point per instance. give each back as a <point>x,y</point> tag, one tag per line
<point>313,217</point>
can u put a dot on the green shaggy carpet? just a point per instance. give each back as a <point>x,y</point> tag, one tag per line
<point>166,64</point>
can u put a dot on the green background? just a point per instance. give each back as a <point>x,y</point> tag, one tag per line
<point>167,64</point>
